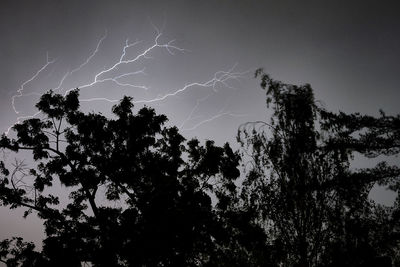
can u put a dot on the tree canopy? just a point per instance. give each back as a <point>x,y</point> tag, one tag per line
<point>157,188</point>
<point>314,206</point>
<point>139,194</point>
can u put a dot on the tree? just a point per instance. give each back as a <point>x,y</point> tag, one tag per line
<point>141,195</point>
<point>158,190</point>
<point>302,190</point>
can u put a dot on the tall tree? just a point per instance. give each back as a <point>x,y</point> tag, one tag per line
<point>300,185</point>
<point>139,195</point>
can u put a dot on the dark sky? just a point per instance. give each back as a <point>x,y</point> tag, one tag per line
<point>347,50</point>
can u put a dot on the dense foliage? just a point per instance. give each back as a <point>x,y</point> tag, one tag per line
<point>133,199</point>
<point>313,205</point>
<point>141,195</point>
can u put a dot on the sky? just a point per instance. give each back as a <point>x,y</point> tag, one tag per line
<point>202,74</point>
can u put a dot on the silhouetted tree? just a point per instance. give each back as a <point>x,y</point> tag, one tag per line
<point>139,195</point>
<point>301,188</point>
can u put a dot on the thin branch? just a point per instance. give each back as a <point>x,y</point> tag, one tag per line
<point>50,133</point>
<point>84,186</point>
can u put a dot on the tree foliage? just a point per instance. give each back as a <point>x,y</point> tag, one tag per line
<point>142,195</point>
<point>303,190</point>
<point>138,193</point>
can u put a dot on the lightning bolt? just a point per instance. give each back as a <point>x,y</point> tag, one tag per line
<point>190,116</point>
<point>20,91</point>
<point>219,77</point>
<point>113,74</point>
<point>219,115</point>
<point>91,55</point>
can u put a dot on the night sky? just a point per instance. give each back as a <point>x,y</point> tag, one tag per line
<point>348,52</point>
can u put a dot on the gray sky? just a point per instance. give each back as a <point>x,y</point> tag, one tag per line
<point>348,51</point>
